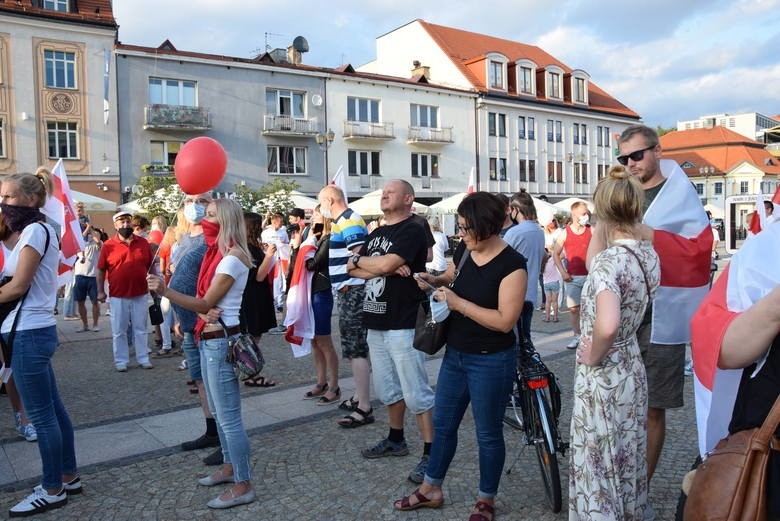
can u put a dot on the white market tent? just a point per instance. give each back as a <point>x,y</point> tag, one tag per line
<point>565,205</point>
<point>298,199</point>
<point>368,205</point>
<point>544,210</point>
<point>93,203</point>
<point>716,211</point>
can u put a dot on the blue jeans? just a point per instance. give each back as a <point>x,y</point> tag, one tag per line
<point>34,377</point>
<point>485,381</point>
<point>192,354</point>
<point>224,399</point>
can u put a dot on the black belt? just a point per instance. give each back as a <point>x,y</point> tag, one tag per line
<point>220,333</point>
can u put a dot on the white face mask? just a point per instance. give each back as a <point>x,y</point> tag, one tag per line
<point>194,212</point>
<point>439,310</point>
<point>325,212</point>
<point>585,219</point>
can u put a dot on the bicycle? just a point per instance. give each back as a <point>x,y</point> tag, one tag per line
<point>534,407</point>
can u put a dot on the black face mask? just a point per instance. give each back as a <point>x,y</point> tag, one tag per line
<point>17,217</point>
<point>125,233</point>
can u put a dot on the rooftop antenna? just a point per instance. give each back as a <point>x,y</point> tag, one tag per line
<point>266,47</point>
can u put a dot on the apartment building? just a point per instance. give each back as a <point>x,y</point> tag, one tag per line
<point>752,125</point>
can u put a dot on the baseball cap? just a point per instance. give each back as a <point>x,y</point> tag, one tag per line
<point>121,214</point>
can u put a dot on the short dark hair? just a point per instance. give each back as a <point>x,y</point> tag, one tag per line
<point>768,205</point>
<point>484,213</point>
<point>650,135</point>
<point>297,212</point>
<point>523,201</point>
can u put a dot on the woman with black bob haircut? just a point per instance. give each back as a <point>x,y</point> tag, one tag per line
<point>485,297</point>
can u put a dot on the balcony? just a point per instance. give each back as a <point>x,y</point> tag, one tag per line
<point>429,136</point>
<point>176,117</point>
<point>157,170</point>
<point>774,149</point>
<point>368,131</point>
<point>288,126</point>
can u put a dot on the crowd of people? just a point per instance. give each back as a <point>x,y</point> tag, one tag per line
<point>631,275</point>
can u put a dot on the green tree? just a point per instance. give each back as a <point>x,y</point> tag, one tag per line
<point>271,197</point>
<point>159,195</point>
<point>661,130</point>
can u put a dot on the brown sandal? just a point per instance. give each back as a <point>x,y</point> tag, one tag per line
<point>321,389</point>
<point>481,507</point>
<point>422,502</point>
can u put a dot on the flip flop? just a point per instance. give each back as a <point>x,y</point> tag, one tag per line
<point>260,381</point>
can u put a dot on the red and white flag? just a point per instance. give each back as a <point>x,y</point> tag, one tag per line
<point>746,280</point>
<point>683,241</point>
<point>340,181</point>
<point>472,187</point>
<point>62,211</point>
<point>300,315</point>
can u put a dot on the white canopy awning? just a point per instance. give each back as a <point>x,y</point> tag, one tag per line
<point>93,203</point>
<point>368,205</point>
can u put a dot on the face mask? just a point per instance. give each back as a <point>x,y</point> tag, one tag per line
<point>439,310</point>
<point>17,217</point>
<point>194,213</point>
<point>210,232</point>
<point>125,233</point>
<point>326,212</point>
<point>584,220</point>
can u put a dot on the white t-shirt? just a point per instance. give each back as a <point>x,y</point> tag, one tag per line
<point>231,302</point>
<point>280,239</point>
<point>86,262</point>
<point>38,310</point>
<point>439,263</point>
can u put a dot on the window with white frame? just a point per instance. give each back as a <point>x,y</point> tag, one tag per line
<point>285,103</point>
<point>607,137</point>
<point>498,168</point>
<point>521,127</point>
<point>579,90</point>
<point>60,69</point>
<point>554,85</point>
<point>581,173</point>
<point>699,188</point>
<point>527,170</point>
<point>554,171</point>
<point>363,109</point>
<point>531,131</point>
<point>496,124</point>
<point>559,131</point>
<point>424,116</point>
<point>286,160</point>
<point>526,80</point>
<point>2,137</point>
<point>575,135</point>
<point>717,189</point>
<point>496,75</point>
<point>164,152</point>
<point>603,138</point>
<point>744,186</point>
<point>425,165</point>
<point>56,5</point>
<point>173,92</point>
<point>550,130</point>
<point>583,134</point>
<point>363,162</point>
<point>63,139</point>
<point>555,131</point>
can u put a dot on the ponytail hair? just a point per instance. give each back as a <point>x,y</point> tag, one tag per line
<point>38,187</point>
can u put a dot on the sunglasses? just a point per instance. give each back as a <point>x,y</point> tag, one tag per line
<point>636,155</point>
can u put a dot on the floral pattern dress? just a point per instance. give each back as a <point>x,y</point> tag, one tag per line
<point>607,468</point>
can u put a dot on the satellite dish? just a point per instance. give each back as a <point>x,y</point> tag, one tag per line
<point>300,44</point>
<point>316,100</point>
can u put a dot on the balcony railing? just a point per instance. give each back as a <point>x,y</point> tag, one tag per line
<point>430,135</point>
<point>176,117</point>
<point>157,170</point>
<point>274,125</point>
<point>368,130</point>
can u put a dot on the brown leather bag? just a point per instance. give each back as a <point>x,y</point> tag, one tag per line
<point>730,485</point>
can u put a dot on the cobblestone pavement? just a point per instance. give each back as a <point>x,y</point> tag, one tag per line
<point>307,469</point>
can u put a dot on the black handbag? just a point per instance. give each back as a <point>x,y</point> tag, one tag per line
<point>430,336</point>
<point>155,313</point>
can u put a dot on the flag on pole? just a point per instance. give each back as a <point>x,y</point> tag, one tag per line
<point>472,187</point>
<point>62,211</point>
<point>106,76</point>
<point>339,181</point>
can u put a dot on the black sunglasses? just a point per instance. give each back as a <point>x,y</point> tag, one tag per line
<point>636,155</point>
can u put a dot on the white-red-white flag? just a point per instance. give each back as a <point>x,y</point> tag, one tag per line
<point>300,314</point>
<point>745,281</point>
<point>62,211</point>
<point>340,181</point>
<point>683,240</point>
<point>472,187</point>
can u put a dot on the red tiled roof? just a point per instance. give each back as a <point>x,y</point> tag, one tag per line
<point>464,47</point>
<point>95,12</point>
<point>718,147</point>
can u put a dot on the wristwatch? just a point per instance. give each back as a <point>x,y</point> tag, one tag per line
<point>355,259</point>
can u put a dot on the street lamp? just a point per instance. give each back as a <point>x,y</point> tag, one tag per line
<point>325,141</point>
<point>706,171</point>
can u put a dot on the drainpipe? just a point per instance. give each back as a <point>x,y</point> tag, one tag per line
<point>476,140</point>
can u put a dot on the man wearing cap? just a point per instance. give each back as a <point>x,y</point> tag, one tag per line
<point>125,259</point>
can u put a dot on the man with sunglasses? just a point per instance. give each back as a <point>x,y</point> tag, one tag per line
<point>683,240</point>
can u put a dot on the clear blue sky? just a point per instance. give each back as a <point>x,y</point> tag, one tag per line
<point>667,59</point>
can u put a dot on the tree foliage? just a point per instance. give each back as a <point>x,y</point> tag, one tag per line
<point>159,195</point>
<point>272,197</point>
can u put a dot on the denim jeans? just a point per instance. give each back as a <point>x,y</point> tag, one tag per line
<point>34,377</point>
<point>192,354</point>
<point>224,399</point>
<point>485,381</point>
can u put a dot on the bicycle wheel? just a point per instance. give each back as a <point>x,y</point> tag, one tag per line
<point>546,435</point>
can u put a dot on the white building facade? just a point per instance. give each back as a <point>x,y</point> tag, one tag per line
<point>750,124</point>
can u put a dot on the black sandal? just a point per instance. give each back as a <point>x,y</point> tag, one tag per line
<point>349,405</point>
<point>350,422</point>
<point>310,395</point>
<point>324,400</point>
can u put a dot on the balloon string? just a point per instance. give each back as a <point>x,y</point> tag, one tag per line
<point>157,251</point>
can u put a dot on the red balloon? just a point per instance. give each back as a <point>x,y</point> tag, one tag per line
<point>200,165</point>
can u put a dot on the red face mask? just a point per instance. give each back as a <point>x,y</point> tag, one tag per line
<point>210,232</point>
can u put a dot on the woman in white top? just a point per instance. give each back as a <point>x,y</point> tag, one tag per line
<point>438,264</point>
<point>33,265</point>
<point>221,283</point>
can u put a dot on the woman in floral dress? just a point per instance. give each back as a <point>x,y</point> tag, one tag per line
<point>607,470</point>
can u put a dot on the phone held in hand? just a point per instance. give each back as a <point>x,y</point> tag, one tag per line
<point>420,279</point>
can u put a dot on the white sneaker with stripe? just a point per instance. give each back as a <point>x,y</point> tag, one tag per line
<point>39,501</point>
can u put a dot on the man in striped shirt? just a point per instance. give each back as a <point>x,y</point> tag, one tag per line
<point>348,233</point>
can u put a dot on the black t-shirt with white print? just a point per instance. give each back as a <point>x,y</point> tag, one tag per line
<point>391,301</point>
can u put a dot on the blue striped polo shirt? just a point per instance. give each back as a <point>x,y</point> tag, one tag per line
<point>347,231</point>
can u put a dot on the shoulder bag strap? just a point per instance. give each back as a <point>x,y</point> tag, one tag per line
<point>641,267</point>
<point>770,424</point>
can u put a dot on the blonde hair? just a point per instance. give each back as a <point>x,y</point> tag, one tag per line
<point>232,231</point>
<point>160,222</point>
<point>183,226</point>
<point>38,187</point>
<point>619,199</point>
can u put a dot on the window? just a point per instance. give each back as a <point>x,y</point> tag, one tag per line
<point>601,172</point>
<point>56,5</point>
<point>172,92</point>
<point>424,116</point>
<point>285,103</point>
<point>521,127</point>
<point>579,90</point>
<point>576,134</point>
<point>528,170</point>
<point>718,189</point>
<point>164,152</point>
<point>526,80</point>
<point>743,187</point>
<point>549,130</point>
<point>496,120</point>
<point>602,136</point>
<point>554,131</point>
<point>584,135</point>
<point>531,128</point>
<point>498,168</point>
<point>60,69</point>
<point>554,172</point>
<point>63,140</point>
<point>554,85</point>
<point>362,162</point>
<point>731,122</point>
<point>286,160</point>
<point>581,173</point>
<point>363,109</point>
<point>699,188</point>
<point>496,75</point>
<point>607,137</point>
<point>2,137</point>
<point>559,132</point>
<point>424,165</point>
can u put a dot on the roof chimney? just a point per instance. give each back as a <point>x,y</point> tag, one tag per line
<point>420,70</point>
<point>293,55</point>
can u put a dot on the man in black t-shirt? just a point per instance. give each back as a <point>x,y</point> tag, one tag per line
<point>388,258</point>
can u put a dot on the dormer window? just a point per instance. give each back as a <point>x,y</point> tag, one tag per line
<point>496,75</point>
<point>553,80</point>
<point>56,5</point>
<point>526,77</point>
<point>579,87</point>
<point>496,71</point>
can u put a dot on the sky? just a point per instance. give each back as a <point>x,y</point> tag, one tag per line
<point>668,60</point>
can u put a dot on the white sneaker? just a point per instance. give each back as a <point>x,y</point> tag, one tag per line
<point>121,368</point>
<point>95,329</point>
<point>38,501</point>
<point>25,431</point>
<point>574,342</point>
